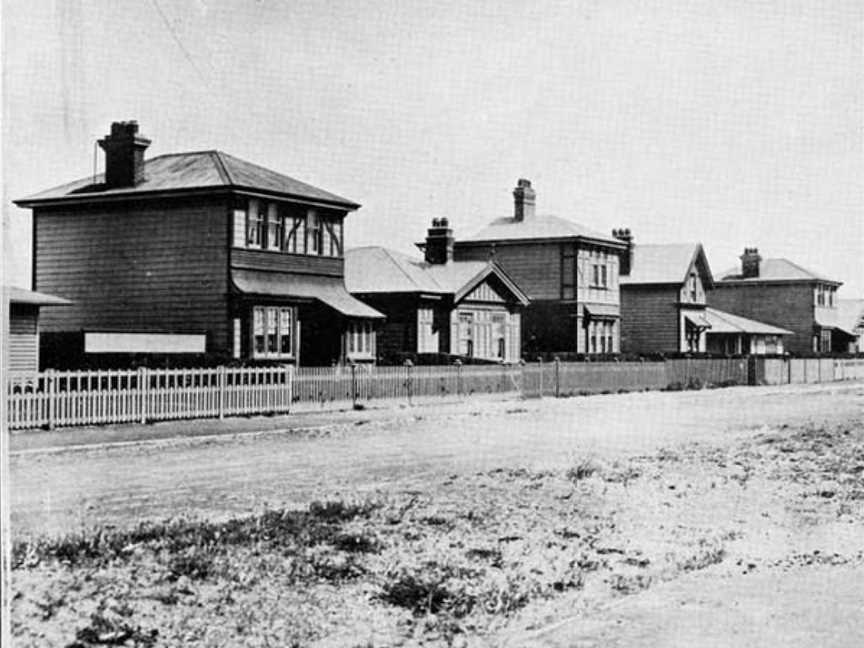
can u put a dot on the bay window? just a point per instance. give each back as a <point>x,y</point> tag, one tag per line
<point>272,332</point>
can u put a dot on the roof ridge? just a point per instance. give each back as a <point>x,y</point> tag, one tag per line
<point>221,166</point>
<point>388,252</point>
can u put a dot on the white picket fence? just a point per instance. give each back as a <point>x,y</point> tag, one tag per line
<point>68,398</point>
<point>64,398</point>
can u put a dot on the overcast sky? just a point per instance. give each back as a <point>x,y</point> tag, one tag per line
<point>731,123</point>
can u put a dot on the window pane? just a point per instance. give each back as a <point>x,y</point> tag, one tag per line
<point>271,330</point>
<point>285,328</point>
<point>258,329</point>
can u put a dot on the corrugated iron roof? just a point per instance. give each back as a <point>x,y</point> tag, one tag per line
<point>23,296</point>
<point>664,264</point>
<point>537,227</point>
<point>376,269</point>
<point>723,322</point>
<point>194,170</point>
<point>329,290</point>
<point>776,270</point>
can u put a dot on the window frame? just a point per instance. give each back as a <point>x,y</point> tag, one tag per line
<point>260,320</point>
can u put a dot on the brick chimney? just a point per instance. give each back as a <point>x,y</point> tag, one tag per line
<point>523,196</point>
<point>626,262</point>
<point>439,242</point>
<point>124,155</point>
<point>750,263</point>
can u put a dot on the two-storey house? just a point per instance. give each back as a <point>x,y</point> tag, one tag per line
<point>663,297</point>
<point>664,306</point>
<point>568,272</point>
<point>435,305</point>
<point>782,293</point>
<point>196,252</point>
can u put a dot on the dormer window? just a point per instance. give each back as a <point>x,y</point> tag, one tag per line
<point>691,286</point>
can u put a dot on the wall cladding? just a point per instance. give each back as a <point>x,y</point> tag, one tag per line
<point>143,267</point>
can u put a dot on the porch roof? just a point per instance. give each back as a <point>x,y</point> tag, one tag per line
<point>723,322</point>
<point>328,290</point>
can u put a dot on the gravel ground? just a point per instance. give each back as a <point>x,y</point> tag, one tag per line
<point>717,512</point>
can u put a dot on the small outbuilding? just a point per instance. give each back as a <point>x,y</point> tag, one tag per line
<point>23,346</point>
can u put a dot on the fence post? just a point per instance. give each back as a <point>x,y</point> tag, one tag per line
<point>408,382</point>
<point>557,377</point>
<point>220,379</point>
<point>458,364</point>
<point>51,391</point>
<point>144,391</point>
<point>354,385</point>
<point>540,383</point>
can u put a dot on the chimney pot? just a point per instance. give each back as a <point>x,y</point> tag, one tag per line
<point>750,262</point>
<point>439,242</point>
<point>626,260</point>
<point>124,155</point>
<point>524,200</point>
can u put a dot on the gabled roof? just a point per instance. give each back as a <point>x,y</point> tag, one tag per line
<point>536,227</point>
<point>22,296</point>
<point>183,172</point>
<point>776,270</point>
<point>667,264</point>
<point>377,270</point>
<point>723,322</point>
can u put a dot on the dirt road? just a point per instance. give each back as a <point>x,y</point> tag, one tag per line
<point>723,518</point>
<point>218,477</point>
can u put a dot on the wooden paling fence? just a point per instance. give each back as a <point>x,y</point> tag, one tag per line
<point>61,399</point>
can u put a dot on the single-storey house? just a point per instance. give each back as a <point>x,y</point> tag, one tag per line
<point>196,253</point>
<point>437,305</point>
<point>23,341</point>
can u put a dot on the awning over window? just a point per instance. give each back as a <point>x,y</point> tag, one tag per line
<point>328,290</point>
<point>602,311</point>
<point>698,320</point>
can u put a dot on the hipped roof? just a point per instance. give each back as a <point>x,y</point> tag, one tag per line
<point>536,228</point>
<point>184,172</point>
<point>379,270</point>
<point>776,270</point>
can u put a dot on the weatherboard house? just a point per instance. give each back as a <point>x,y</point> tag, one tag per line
<point>196,253</point>
<point>782,293</point>
<point>435,305</point>
<point>569,273</point>
<point>664,306</point>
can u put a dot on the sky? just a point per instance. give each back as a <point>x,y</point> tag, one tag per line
<point>730,123</point>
